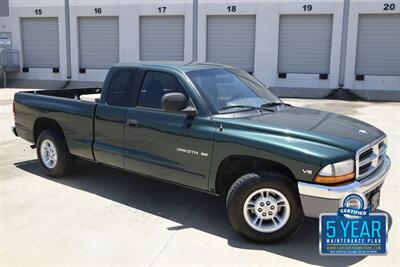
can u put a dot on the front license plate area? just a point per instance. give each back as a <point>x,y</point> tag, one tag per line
<point>375,200</point>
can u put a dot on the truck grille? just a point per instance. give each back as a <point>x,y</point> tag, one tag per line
<point>370,157</point>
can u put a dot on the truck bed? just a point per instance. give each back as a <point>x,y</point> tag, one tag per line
<point>65,107</point>
<point>74,93</point>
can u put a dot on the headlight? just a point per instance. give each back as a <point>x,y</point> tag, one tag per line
<point>336,173</point>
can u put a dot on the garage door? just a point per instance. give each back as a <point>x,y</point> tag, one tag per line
<point>4,8</point>
<point>98,42</point>
<point>231,40</point>
<point>40,42</point>
<point>378,45</point>
<point>305,44</point>
<point>162,38</point>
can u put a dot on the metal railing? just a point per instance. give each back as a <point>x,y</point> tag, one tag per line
<point>9,62</point>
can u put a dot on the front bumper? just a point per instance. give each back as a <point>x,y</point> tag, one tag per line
<point>317,199</point>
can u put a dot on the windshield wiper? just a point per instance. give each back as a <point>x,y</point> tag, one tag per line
<point>274,104</point>
<point>238,106</point>
<point>246,107</point>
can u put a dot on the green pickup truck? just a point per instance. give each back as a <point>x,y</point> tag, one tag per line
<point>212,128</point>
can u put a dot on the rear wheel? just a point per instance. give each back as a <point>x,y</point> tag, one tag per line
<point>264,207</point>
<point>53,154</point>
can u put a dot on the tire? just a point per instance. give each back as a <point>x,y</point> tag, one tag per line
<point>51,145</point>
<point>250,190</point>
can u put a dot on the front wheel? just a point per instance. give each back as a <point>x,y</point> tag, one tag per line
<point>264,207</point>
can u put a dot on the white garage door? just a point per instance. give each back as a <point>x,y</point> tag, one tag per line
<point>305,44</point>
<point>378,45</point>
<point>98,42</point>
<point>40,42</point>
<point>162,38</point>
<point>231,40</point>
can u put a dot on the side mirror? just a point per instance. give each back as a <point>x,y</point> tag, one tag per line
<point>177,102</point>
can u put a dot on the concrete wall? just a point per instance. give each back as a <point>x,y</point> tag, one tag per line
<point>370,82</point>
<point>49,8</point>
<point>129,12</point>
<point>267,14</point>
<point>267,36</point>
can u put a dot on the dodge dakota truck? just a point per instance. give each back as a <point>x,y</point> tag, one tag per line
<point>212,128</point>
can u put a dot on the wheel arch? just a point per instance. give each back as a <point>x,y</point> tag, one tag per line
<point>44,123</point>
<point>234,166</point>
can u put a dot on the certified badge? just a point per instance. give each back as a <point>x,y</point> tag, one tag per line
<point>353,230</point>
<point>354,206</point>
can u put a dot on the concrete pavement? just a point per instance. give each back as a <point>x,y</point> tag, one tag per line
<point>103,216</point>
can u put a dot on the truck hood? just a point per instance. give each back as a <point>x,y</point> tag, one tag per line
<point>315,125</point>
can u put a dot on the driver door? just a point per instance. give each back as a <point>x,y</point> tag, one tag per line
<point>167,145</point>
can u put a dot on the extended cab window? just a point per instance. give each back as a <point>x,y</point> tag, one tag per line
<point>154,86</point>
<point>119,88</point>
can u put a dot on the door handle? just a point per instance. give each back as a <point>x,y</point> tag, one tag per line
<point>132,123</point>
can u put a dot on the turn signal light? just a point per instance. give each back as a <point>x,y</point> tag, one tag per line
<point>334,179</point>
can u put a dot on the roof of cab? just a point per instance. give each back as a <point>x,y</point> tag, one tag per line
<point>179,67</point>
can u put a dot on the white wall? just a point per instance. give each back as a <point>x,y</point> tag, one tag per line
<point>267,36</point>
<point>86,8</point>
<point>358,7</point>
<point>21,9</point>
<point>129,12</point>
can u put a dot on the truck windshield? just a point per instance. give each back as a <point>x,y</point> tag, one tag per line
<point>231,90</point>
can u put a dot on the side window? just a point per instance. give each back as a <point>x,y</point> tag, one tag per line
<point>119,88</point>
<point>154,86</point>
